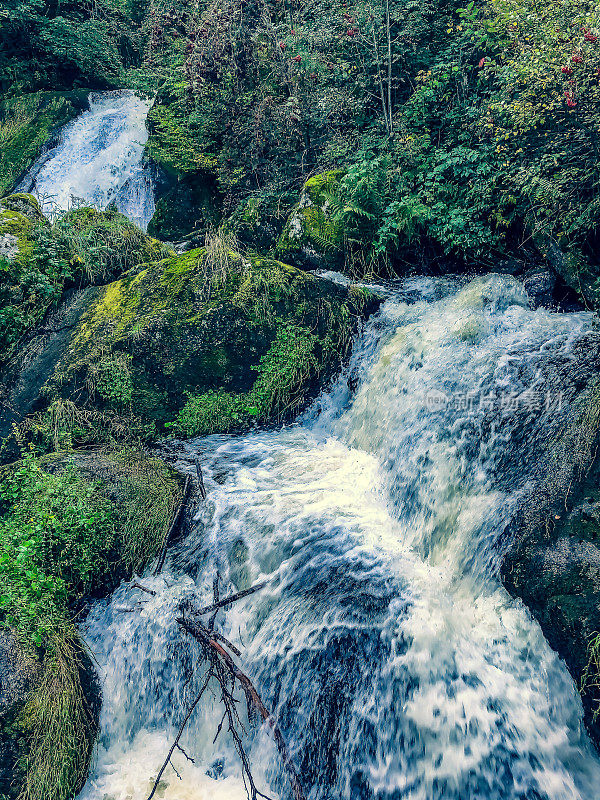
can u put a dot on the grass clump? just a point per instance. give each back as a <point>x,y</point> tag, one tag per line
<point>60,723</point>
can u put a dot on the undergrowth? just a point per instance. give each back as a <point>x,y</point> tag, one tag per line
<point>71,525</point>
<point>283,380</point>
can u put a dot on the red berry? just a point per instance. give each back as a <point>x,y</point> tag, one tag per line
<point>567,70</point>
<point>577,59</point>
<point>589,37</point>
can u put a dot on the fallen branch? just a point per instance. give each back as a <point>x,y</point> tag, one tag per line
<point>179,733</point>
<point>200,478</point>
<point>208,640</point>
<point>224,670</point>
<point>136,585</point>
<point>226,601</point>
<point>173,527</point>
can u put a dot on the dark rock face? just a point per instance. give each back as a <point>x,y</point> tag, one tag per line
<point>555,569</point>
<point>188,207</point>
<point>19,672</point>
<point>37,359</point>
<point>539,285</point>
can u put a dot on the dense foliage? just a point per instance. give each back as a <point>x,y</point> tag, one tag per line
<point>465,132</point>
<point>65,534</point>
<point>68,44</point>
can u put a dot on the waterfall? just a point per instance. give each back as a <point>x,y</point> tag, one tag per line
<point>98,160</point>
<point>397,665</point>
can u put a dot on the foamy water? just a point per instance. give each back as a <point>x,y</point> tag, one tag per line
<point>98,160</point>
<point>397,665</point>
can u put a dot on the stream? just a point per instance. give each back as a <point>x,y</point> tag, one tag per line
<point>395,662</point>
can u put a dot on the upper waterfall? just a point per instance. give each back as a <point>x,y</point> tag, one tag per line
<point>98,160</point>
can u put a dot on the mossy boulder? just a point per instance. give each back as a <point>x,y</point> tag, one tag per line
<point>41,262</point>
<point>209,321</point>
<point>19,213</point>
<point>311,237</point>
<point>572,268</point>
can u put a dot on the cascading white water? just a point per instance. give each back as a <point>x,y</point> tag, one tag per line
<point>397,665</point>
<point>98,160</point>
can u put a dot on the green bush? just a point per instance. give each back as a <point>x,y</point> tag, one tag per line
<point>57,539</point>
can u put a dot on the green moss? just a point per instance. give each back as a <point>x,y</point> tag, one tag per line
<point>38,260</point>
<point>171,143</point>
<point>208,322</point>
<point>310,234</point>
<point>25,204</point>
<point>16,239</point>
<point>26,124</point>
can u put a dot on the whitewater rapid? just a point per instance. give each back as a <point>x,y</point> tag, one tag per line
<point>98,160</point>
<point>397,665</point>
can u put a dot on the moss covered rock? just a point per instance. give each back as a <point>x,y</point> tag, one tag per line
<point>311,237</point>
<point>42,261</point>
<point>19,213</point>
<point>252,337</point>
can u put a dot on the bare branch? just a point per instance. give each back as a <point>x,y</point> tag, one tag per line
<point>226,601</point>
<point>175,744</point>
<point>174,526</point>
<point>205,637</point>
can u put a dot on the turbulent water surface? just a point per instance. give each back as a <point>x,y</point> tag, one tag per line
<point>98,160</point>
<point>398,666</point>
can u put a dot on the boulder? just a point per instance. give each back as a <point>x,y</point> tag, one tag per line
<point>311,238</point>
<point>19,674</point>
<point>539,285</point>
<point>209,321</point>
<point>553,562</point>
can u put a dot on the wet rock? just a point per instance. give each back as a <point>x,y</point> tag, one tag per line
<point>19,672</point>
<point>539,285</point>
<point>554,567</point>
